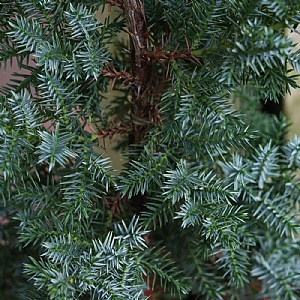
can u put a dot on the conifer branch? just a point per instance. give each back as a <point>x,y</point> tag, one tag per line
<point>207,199</point>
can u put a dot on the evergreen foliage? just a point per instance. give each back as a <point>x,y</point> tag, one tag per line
<point>206,203</point>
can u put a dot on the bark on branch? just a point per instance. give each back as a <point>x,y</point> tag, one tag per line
<point>141,68</point>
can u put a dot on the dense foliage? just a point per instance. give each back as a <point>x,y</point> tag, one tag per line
<point>206,201</point>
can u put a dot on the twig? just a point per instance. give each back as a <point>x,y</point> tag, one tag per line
<point>111,72</point>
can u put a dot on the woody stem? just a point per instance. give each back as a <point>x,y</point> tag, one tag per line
<point>141,69</point>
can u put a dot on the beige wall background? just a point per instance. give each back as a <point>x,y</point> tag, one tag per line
<point>292,102</point>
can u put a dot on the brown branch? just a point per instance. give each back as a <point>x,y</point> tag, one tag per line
<point>111,72</point>
<point>115,203</point>
<point>113,130</point>
<point>141,70</point>
<point>137,28</point>
<point>160,55</point>
<point>141,87</point>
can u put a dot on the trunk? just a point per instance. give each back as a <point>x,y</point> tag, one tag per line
<point>141,88</point>
<point>141,70</point>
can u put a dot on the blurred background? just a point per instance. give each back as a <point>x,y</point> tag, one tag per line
<point>292,102</point>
